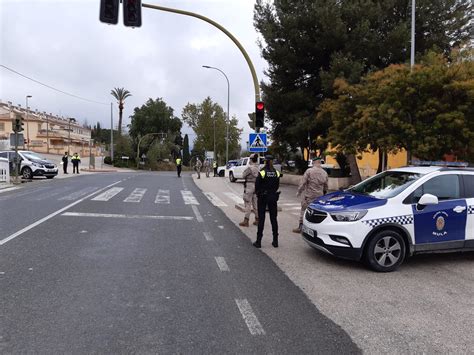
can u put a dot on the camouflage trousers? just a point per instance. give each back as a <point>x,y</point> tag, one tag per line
<point>305,202</point>
<point>250,199</point>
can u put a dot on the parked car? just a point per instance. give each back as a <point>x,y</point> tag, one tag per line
<point>237,171</point>
<point>221,169</point>
<point>31,164</point>
<point>395,214</point>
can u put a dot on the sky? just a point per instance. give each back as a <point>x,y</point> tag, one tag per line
<point>63,44</point>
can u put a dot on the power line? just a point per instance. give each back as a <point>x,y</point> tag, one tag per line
<point>53,88</point>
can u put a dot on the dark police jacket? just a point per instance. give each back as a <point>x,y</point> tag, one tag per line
<point>268,182</point>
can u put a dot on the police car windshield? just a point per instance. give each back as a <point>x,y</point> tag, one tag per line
<point>386,185</point>
<point>32,156</point>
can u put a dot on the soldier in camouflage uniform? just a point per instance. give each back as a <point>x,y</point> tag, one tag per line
<point>313,185</point>
<point>250,198</point>
<point>198,167</point>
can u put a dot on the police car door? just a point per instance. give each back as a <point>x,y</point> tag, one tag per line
<point>445,221</point>
<point>469,194</point>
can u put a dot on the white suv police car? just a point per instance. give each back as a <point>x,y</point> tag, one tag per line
<point>395,214</point>
<point>31,164</point>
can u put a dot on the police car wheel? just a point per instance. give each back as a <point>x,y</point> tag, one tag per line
<point>385,251</point>
<point>27,173</point>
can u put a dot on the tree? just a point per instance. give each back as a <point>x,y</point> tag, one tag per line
<point>308,44</point>
<point>427,111</point>
<point>155,116</point>
<point>120,95</point>
<point>186,156</point>
<point>202,118</point>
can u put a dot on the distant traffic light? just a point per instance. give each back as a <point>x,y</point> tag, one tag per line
<point>20,125</point>
<point>109,11</point>
<point>259,114</point>
<point>132,13</point>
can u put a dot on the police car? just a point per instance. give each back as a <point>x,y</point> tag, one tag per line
<point>395,214</point>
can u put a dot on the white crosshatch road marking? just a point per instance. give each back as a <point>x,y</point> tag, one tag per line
<point>163,197</point>
<point>75,195</point>
<point>249,317</point>
<point>189,198</point>
<point>107,195</point>
<point>222,263</point>
<point>234,197</point>
<point>136,196</point>
<point>216,201</point>
<point>126,216</point>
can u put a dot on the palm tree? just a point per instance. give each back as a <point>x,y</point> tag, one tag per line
<point>120,94</point>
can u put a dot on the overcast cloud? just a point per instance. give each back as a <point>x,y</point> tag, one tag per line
<point>63,44</point>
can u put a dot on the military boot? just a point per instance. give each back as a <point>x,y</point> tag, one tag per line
<point>298,230</point>
<point>244,223</point>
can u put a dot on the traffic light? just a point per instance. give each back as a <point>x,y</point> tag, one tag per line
<point>20,124</point>
<point>252,120</point>
<point>109,11</point>
<point>132,13</point>
<point>259,114</point>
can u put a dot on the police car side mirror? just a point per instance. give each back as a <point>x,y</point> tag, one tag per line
<point>428,199</point>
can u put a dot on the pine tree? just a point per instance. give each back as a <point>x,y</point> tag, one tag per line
<point>186,156</point>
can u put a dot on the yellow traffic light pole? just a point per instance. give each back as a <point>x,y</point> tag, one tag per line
<point>215,24</point>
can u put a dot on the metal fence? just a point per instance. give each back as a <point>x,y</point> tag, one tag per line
<point>4,171</point>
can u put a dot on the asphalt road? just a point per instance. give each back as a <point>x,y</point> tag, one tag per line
<point>143,263</point>
<point>425,307</point>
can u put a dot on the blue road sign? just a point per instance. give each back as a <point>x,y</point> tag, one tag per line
<point>257,142</point>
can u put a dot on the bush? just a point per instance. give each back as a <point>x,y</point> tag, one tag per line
<point>108,160</point>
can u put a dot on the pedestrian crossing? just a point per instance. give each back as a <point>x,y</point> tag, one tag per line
<point>136,195</point>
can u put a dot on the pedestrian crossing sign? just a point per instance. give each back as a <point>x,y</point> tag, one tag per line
<point>257,142</point>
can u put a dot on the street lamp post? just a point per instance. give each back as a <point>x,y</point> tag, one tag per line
<point>69,135</point>
<point>27,125</point>
<point>47,132</point>
<point>412,52</point>
<point>228,117</point>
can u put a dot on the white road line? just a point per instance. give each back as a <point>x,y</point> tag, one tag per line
<point>289,204</point>
<point>222,263</point>
<point>249,317</point>
<point>234,197</point>
<point>37,223</point>
<point>136,196</point>
<point>75,195</point>
<point>208,236</point>
<point>216,201</point>
<point>107,195</point>
<point>163,197</point>
<point>198,215</point>
<point>295,208</point>
<point>128,216</point>
<point>295,214</point>
<point>189,198</point>
<point>9,189</point>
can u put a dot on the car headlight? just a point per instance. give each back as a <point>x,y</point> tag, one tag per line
<point>349,216</point>
<point>37,165</point>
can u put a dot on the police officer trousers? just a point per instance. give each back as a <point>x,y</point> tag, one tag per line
<point>267,200</point>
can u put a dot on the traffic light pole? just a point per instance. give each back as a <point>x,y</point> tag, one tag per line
<point>215,24</point>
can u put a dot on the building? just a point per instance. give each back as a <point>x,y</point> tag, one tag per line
<point>46,133</point>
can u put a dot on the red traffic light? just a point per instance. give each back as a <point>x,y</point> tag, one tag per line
<point>259,105</point>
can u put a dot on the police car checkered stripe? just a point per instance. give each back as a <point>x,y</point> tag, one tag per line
<point>470,209</point>
<point>408,219</point>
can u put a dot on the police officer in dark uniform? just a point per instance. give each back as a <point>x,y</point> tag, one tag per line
<point>266,188</point>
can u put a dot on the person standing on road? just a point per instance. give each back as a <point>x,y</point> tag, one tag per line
<point>198,167</point>
<point>214,166</point>
<point>65,160</point>
<point>250,198</point>
<point>178,166</point>
<point>207,167</point>
<point>313,185</point>
<point>266,188</point>
<point>75,160</point>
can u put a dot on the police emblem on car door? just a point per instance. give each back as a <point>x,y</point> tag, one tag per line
<point>445,220</point>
